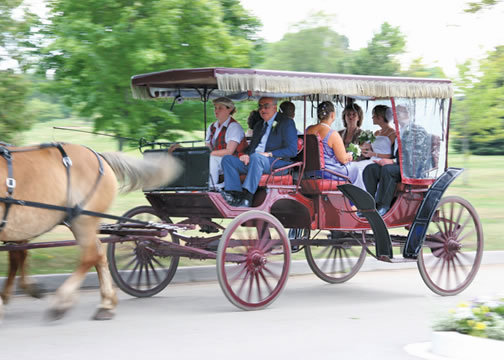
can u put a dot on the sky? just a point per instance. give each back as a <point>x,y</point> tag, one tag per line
<point>436,30</point>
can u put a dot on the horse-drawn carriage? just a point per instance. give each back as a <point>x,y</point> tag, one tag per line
<point>252,246</point>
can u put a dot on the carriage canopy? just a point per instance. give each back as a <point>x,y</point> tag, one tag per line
<point>420,106</point>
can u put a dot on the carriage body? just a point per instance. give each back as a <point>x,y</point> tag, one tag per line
<point>319,213</point>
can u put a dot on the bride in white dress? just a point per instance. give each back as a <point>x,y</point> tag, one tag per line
<point>382,147</point>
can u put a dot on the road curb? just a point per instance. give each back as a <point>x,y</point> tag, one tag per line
<point>188,274</point>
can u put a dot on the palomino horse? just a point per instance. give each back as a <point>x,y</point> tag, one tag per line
<point>39,174</point>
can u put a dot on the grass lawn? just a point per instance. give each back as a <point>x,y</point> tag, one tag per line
<point>481,184</point>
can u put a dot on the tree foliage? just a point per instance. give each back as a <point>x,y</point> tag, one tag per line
<point>97,45</point>
<point>477,6</point>
<point>480,113</point>
<point>380,55</point>
<point>320,49</point>
<point>317,49</point>
<point>14,116</point>
<point>15,88</point>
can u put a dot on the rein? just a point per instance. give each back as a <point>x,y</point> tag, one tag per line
<point>72,212</point>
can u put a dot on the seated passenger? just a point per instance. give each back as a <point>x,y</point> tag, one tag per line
<point>335,155</point>
<point>352,121</point>
<point>382,146</point>
<point>224,137</point>
<point>253,119</point>
<point>274,140</point>
<point>382,177</point>
<point>288,109</point>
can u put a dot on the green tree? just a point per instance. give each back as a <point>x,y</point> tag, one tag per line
<point>311,46</point>
<point>474,7</point>
<point>380,55</point>
<point>418,69</point>
<point>14,87</point>
<point>14,116</point>
<point>97,45</point>
<point>480,113</point>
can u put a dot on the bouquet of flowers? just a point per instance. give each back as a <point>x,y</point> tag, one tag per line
<point>483,317</point>
<point>366,136</point>
<point>355,150</point>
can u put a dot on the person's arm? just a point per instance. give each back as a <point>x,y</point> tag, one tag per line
<point>234,134</point>
<point>289,140</point>
<point>336,142</point>
<point>229,150</point>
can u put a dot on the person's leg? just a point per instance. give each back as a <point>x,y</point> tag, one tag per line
<point>215,168</point>
<point>258,165</point>
<point>390,175</point>
<point>232,168</point>
<point>371,176</point>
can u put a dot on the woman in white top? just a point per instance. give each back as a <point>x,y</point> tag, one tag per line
<point>224,137</point>
<point>382,147</point>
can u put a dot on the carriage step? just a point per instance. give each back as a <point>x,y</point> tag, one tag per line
<point>395,260</point>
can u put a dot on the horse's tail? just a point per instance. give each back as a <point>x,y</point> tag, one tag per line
<point>149,173</point>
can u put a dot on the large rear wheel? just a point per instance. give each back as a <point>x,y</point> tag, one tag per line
<point>135,266</point>
<point>453,247</point>
<point>339,261</point>
<point>253,260</point>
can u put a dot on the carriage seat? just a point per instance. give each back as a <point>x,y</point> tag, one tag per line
<point>282,176</point>
<point>316,178</point>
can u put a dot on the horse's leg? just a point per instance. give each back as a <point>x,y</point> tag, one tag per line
<point>84,230</point>
<point>14,262</point>
<point>28,285</point>
<point>108,295</point>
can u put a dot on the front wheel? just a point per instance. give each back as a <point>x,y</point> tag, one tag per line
<point>253,260</point>
<point>338,261</point>
<point>135,266</point>
<point>453,247</point>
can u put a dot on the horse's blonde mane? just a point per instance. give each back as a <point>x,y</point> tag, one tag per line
<point>148,173</point>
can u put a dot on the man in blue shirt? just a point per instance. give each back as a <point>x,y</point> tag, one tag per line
<point>272,139</point>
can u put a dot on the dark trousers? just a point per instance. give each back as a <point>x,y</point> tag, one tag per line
<point>381,181</point>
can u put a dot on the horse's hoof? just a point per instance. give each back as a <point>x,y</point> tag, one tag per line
<point>55,314</point>
<point>36,291</point>
<point>103,314</point>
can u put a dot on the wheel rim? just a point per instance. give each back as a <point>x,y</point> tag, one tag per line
<point>256,246</point>
<point>135,265</point>
<point>336,263</point>
<point>452,250</point>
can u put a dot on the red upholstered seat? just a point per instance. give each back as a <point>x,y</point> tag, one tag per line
<point>268,179</point>
<point>315,186</point>
<point>315,163</point>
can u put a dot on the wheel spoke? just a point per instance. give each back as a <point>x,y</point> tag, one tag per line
<point>267,269</point>
<point>266,282</point>
<point>130,263</point>
<point>130,277</point>
<point>241,269</point>
<point>251,288</point>
<point>450,228</point>
<point>259,294</point>
<point>139,276</point>
<point>443,234</point>
<point>459,230</point>
<point>147,275</point>
<point>154,271</point>
<point>471,232</point>
<point>243,282</point>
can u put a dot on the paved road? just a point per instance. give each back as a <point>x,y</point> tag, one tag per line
<point>373,316</point>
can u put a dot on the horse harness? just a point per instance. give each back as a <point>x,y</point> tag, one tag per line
<point>71,212</point>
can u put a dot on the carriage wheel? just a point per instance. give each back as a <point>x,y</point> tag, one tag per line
<point>256,244</point>
<point>135,267</point>
<point>453,247</point>
<point>336,263</point>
